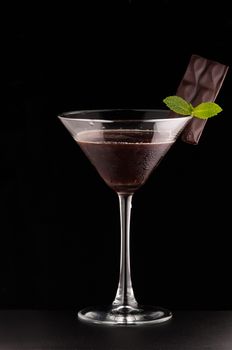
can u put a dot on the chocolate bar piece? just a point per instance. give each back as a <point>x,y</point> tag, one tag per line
<point>201,82</point>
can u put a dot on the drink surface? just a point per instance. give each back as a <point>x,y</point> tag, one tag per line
<point>124,158</point>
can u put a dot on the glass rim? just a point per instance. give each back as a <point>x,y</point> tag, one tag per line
<point>71,115</point>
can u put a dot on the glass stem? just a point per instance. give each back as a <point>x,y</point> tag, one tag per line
<point>125,295</point>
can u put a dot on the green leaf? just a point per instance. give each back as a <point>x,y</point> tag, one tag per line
<point>206,110</point>
<point>178,105</point>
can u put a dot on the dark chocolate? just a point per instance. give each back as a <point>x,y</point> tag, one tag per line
<point>201,82</point>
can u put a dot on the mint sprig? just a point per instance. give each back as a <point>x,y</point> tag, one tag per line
<point>204,110</point>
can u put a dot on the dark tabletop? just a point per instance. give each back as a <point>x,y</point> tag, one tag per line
<point>30,329</point>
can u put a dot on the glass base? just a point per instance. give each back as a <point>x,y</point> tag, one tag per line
<point>124,315</point>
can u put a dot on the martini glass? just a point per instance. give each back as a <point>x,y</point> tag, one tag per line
<point>124,146</point>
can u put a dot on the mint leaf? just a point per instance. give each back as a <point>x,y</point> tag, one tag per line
<point>178,105</point>
<point>206,110</point>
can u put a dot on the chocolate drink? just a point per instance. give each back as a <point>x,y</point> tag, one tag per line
<point>124,158</point>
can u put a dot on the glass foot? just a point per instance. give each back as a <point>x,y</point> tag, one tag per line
<point>124,315</point>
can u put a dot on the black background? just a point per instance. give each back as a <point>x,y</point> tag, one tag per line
<point>59,222</point>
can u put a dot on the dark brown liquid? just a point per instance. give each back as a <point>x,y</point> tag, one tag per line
<point>123,158</point>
